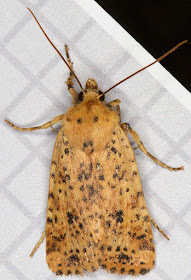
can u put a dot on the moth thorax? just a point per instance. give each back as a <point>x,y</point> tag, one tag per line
<point>91,84</point>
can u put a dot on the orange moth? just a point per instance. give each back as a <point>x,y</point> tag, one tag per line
<point>96,213</point>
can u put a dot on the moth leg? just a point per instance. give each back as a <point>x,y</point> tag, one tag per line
<point>126,126</point>
<point>116,103</point>
<point>44,126</point>
<point>159,229</point>
<point>38,244</point>
<point>135,148</point>
<point>54,129</point>
<point>119,112</point>
<point>69,81</point>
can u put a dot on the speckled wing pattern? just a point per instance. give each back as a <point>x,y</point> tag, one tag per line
<point>127,240</point>
<point>97,215</point>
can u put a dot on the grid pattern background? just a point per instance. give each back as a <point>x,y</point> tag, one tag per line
<point>33,91</point>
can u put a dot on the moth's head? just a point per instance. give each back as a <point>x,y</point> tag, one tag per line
<point>91,91</point>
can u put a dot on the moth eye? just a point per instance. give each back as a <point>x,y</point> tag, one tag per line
<point>102,98</point>
<point>81,96</point>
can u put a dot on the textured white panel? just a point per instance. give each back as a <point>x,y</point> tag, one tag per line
<point>33,91</point>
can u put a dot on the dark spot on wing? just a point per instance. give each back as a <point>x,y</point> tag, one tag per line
<point>101,177</point>
<point>70,217</point>
<point>119,216</point>
<point>66,151</point>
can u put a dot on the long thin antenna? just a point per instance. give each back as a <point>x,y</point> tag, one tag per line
<point>159,59</point>
<point>56,49</point>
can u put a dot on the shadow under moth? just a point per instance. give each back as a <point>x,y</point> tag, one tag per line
<point>96,213</point>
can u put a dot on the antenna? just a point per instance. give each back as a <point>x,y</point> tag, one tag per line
<point>56,50</point>
<point>159,59</point>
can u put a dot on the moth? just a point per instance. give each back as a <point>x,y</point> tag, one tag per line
<point>96,213</point>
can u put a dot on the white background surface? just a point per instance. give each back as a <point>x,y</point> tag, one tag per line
<point>33,91</point>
